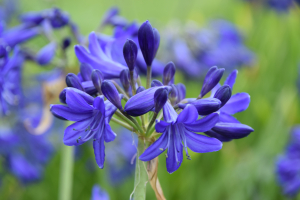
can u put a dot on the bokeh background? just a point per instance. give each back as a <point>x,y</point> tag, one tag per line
<point>243,169</point>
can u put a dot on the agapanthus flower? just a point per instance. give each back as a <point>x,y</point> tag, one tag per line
<point>195,49</point>
<point>288,165</point>
<point>10,75</point>
<point>91,121</point>
<point>179,133</point>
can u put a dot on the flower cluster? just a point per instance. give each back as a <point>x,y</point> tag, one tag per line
<point>159,113</point>
<point>288,165</point>
<point>195,50</point>
<point>280,6</point>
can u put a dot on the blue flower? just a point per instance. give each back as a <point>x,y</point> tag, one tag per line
<point>10,76</point>
<point>181,128</point>
<point>229,127</point>
<point>91,121</point>
<point>99,194</point>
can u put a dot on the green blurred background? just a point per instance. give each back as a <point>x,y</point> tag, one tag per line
<point>243,169</point>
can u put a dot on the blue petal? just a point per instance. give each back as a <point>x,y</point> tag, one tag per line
<point>201,143</point>
<point>89,99</point>
<point>76,102</point>
<point>75,132</point>
<point>99,151</point>
<point>161,126</point>
<point>230,80</point>
<point>175,156</point>
<point>203,124</point>
<point>95,48</point>
<point>188,115</point>
<point>109,135</point>
<point>99,104</point>
<point>110,110</point>
<point>156,148</point>
<point>237,103</point>
<point>70,114</point>
<point>224,117</point>
<point>170,114</point>
<point>232,130</point>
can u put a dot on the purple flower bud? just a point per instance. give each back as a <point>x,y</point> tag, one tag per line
<point>156,83</point>
<point>62,97</point>
<point>168,73</point>
<point>160,98</point>
<point>130,53</point>
<point>111,93</point>
<point>86,71</point>
<point>58,18</point>
<point>125,79</point>
<point>97,79</point>
<point>223,94</point>
<point>147,42</point>
<point>66,43</point>
<point>46,54</point>
<point>156,40</point>
<point>73,81</point>
<point>181,91</point>
<point>110,13</point>
<point>232,130</point>
<point>204,106</point>
<point>211,79</point>
<point>140,89</point>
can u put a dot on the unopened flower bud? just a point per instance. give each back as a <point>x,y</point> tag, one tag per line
<point>211,79</point>
<point>110,91</point>
<point>223,94</point>
<point>97,79</point>
<point>125,79</point>
<point>156,83</point>
<point>160,98</point>
<point>73,81</point>
<point>140,89</point>
<point>46,54</point>
<point>86,71</point>
<point>130,51</point>
<point>147,42</point>
<point>156,40</point>
<point>66,43</point>
<point>169,72</point>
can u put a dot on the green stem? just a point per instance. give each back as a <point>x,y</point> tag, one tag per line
<point>132,83</point>
<point>122,117</point>
<point>141,176</point>
<point>125,125</point>
<point>150,124</point>
<point>66,173</point>
<point>149,74</point>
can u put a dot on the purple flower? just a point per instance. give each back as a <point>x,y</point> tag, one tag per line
<point>178,132</point>
<point>99,194</point>
<point>10,77</point>
<point>230,128</point>
<point>91,121</point>
<point>147,41</point>
<point>99,59</point>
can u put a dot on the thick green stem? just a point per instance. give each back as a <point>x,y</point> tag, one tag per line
<point>149,74</point>
<point>141,176</point>
<point>124,124</point>
<point>66,173</point>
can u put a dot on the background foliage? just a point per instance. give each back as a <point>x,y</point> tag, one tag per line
<point>243,169</point>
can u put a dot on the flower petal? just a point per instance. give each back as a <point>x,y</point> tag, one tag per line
<point>224,117</point>
<point>175,156</point>
<point>75,132</point>
<point>201,143</point>
<point>99,151</point>
<point>188,115</point>
<point>70,114</point>
<point>161,126</point>
<point>156,148</point>
<point>237,103</point>
<point>76,102</point>
<point>170,114</point>
<point>109,135</point>
<point>203,124</point>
